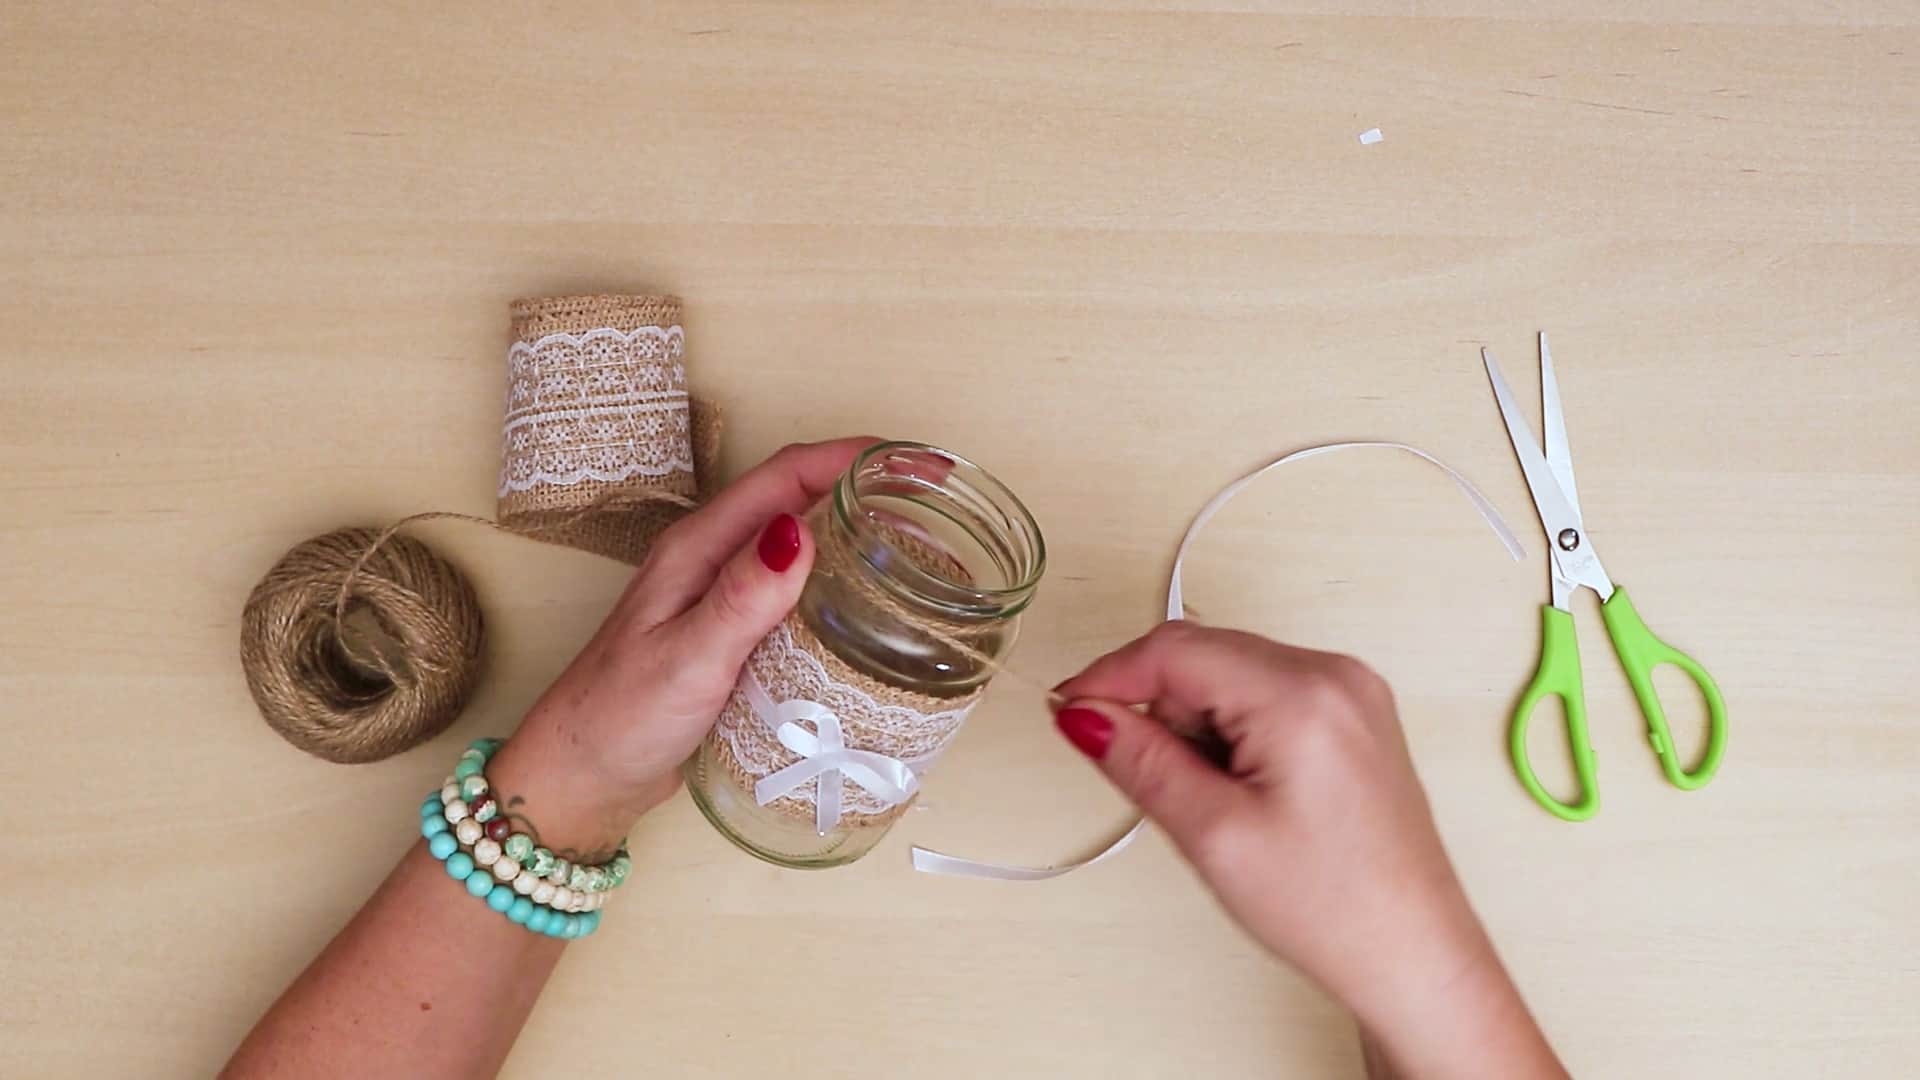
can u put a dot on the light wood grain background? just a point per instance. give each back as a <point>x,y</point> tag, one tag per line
<point>254,265</point>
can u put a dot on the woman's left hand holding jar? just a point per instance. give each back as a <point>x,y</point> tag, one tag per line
<point>605,742</point>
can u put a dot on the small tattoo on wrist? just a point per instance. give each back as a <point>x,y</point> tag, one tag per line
<point>511,810</point>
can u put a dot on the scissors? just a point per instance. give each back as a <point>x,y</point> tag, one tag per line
<point>1574,564</point>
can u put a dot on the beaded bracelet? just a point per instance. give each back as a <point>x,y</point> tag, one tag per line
<point>481,829</point>
<point>480,882</point>
<point>531,885</point>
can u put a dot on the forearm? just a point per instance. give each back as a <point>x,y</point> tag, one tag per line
<point>427,980</point>
<point>1498,1042</point>
<point>424,981</point>
<point>1469,1022</point>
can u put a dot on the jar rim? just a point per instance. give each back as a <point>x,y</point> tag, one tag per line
<point>1026,542</point>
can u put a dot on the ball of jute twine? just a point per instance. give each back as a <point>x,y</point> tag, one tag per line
<point>363,643</point>
<point>350,696</point>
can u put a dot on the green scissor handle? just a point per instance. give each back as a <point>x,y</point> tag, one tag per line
<point>1557,676</point>
<point>1640,652</point>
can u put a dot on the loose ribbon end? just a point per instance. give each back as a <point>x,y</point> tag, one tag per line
<point>928,861</point>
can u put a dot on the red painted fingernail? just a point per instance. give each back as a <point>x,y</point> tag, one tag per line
<point>1087,730</point>
<point>780,544</point>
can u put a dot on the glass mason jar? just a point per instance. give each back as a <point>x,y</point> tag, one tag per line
<point>924,564</point>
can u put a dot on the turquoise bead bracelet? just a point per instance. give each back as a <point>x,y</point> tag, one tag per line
<point>480,883</point>
<point>505,869</point>
<point>466,797</point>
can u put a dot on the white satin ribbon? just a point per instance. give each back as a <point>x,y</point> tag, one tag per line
<point>933,862</point>
<point>824,754</point>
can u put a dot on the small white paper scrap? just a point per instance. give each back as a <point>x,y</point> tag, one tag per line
<point>1370,136</point>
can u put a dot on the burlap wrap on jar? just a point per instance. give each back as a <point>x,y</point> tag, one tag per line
<point>794,664</point>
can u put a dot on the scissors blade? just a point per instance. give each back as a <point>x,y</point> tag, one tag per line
<point>1562,588</point>
<point>1557,514</point>
<point>1554,426</point>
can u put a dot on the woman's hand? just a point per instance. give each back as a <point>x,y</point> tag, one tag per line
<point>1293,795</point>
<point>604,744</point>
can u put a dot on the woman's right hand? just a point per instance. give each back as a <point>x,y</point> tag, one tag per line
<point>1282,775</point>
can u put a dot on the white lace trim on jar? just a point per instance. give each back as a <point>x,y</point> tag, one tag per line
<point>788,672</point>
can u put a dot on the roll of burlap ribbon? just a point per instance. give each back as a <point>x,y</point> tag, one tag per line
<point>597,413</point>
<point>363,643</point>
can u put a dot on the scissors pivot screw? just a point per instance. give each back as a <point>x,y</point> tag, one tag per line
<point>1569,539</point>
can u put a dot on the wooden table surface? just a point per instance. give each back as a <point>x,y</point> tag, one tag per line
<point>254,269</point>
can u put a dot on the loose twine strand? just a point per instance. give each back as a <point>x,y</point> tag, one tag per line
<point>842,562</point>
<point>355,689</point>
<point>930,628</point>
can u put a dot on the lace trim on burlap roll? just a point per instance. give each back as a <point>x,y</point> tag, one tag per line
<point>598,419</point>
<point>793,664</point>
<point>604,405</point>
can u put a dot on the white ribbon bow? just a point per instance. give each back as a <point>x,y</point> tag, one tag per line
<point>823,753</point>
